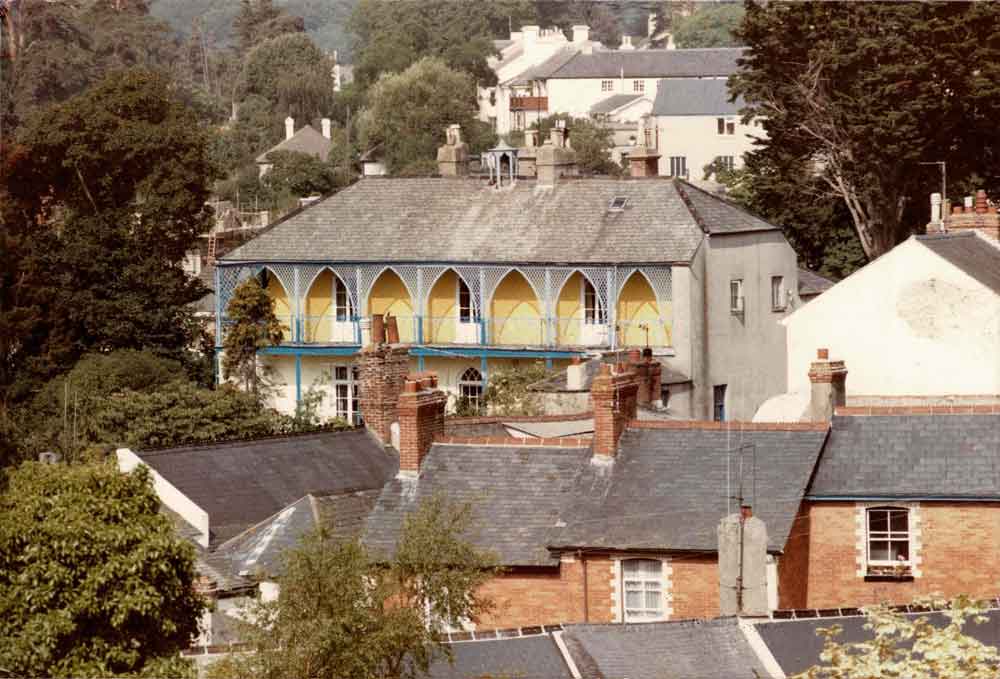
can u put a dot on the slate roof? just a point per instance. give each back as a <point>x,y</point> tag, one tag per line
<point>546,68</point>
<point>911,456</point>
<point>534,657</point>
<point>812,284</point>
<point>613,103</point>
<point>518,495</point>
<point>796,647</point>
<point>719,216</point>
<point>695,97</point>
<point>662,63</point>
<point>241,483</point>
<point>558,382</point>
<point>463,220</point>
<point>306,140</point>
<point>715,649</point>
<point>552,430</point>
<point>667,488</point>
<point>970,253</point>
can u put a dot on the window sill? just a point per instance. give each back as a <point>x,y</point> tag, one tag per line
<point>888,578</point>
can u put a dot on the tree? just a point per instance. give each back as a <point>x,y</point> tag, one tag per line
<point>292,74</point>
<point>860,94</point>
<point>409,111</point>
<point>260,20</point>
<point>104,197</point>
<point>253,326</point>
<point>591,141</point>
<point>906,647</point>
<point>299,174</point>
<point>343,612</point>
<point>93,580</point>
<point>508,391</point>
<point>710,25</point>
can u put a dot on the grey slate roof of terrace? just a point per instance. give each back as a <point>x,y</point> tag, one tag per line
<point>667,488</point>
<point>662,63</point>
<point>718,215</point>
<point>613,103</point>
<point>307,140</point>
<point>911,456</point>
<point>715,649</point>
<point>694,97</point>
<point>463,220</point>
<point>812,284</point>
<point>796,646</point>
<point>241,483</point>
<point>534,657</point>
<point>518,496</point>
<point>970,253</point>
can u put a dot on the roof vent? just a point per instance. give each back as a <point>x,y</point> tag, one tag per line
<point>617,204</point>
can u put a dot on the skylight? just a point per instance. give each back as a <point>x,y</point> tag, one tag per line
<point>617,204</point>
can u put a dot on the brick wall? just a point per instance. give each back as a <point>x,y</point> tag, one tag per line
<point>421,421</point>
<point>959,543</point>
<point>382,371</point>
<point>615,397</point>
<point>793,565</point>
<point>695,586</point>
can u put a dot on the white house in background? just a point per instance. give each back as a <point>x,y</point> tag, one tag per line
<point>921,320</point>
<point>306,140</point>
<point>693,123</point>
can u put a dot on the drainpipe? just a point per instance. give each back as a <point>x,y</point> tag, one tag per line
<point>586,593</point>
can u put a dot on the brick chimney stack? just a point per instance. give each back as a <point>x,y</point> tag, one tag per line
<point>421,419</point>
<point>975,215</point>
<point>453,157</point>
<point>829,386</point>
<point>383,370</point>
<point>649,377</point>
<point>615,400</point>
<point>643,162</point>
<point>555,158</point>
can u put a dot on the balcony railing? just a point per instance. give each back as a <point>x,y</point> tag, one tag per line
<point>491,331</point>
<point>529,103</point>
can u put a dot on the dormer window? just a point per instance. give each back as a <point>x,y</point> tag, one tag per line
<point>617,204</point>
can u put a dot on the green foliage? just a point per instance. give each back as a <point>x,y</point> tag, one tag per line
<point>292,74</point>
<point>467,407</point>
<point>343,612</point>
<point>260,20</point>
<point>591,141</point>
<point>859,94</point>
<point>299,174</point>
<point>604,21</point>
<point>253,326</point>
<point>409,111</point>
<point>712,24</point>
<point>93,580</point>
<point>905,647</point>
<point>507,392</point>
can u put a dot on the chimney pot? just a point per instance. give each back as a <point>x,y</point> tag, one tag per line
<point>326,127</point>
<point>828,380</point>
<point>289,127</point>
<point>391,330</point>
<point>410,387</point>
<point>981,203</point>
<point>823,354</point>
<point>967,203</point>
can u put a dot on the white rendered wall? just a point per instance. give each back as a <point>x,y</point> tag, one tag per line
<point>908,323</point>
<point>576,96</point>
<point>697,139</point>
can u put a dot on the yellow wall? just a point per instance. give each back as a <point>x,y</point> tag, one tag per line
<point>637,304</point>
<point>569,311</point>
<point>389,295</point>
<point>282,305</point>
<point>319,309</point>
<point>516,313</point>
<point>442,310</point>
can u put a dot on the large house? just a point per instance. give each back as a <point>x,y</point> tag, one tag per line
<point>541,73</point>
<point>477,273</point>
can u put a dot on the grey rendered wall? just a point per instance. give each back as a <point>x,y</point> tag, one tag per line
<point>748,352</point>
<point>688,285</point>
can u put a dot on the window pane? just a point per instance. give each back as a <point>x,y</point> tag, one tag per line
<point>721,124</point>
<point>653,600</point>
<point>630,567</point>
<point>899,551</point>
<point>633,599</point>
<point>730,128</point>
<point>898,520</point>
<point>879,551</point>
<point>340,372</point>
<point>878,520</point>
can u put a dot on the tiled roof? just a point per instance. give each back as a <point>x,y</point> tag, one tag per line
<point>796,647</point>
<point>533,657</point>
<point>911,456</point>
<point>664,63</point>
<point>695,97</point>
<point>613,103</point>
<point>306,140</point>
<point>519,496</point>
<point>971,253</point>
<point>241,483</point>
<point>464,220</point>
<point>715,649</point>
<point>812,284</point>
<point>668,487</point>
<point>719,216</point>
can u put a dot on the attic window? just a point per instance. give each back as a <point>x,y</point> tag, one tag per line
<point>617,204</point>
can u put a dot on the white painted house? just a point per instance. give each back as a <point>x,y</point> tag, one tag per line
<point>921,320</point>
<point>693,123</point>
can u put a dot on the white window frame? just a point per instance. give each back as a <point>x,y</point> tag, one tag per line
<point>728,162</point>
<point>867,567</point>
<point>720,126</point>
<point>737,299</point>
<point>342,311</point>
<point>645,583</point>
<point>470,389</point>
<point>472,316</point>
<point>890,537</point>
<point>345,392</point>
<point>678,162</point>
<point>607,86</point>
<point>639,86</point>
<point>779,299</point>
<point>593,311</point>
